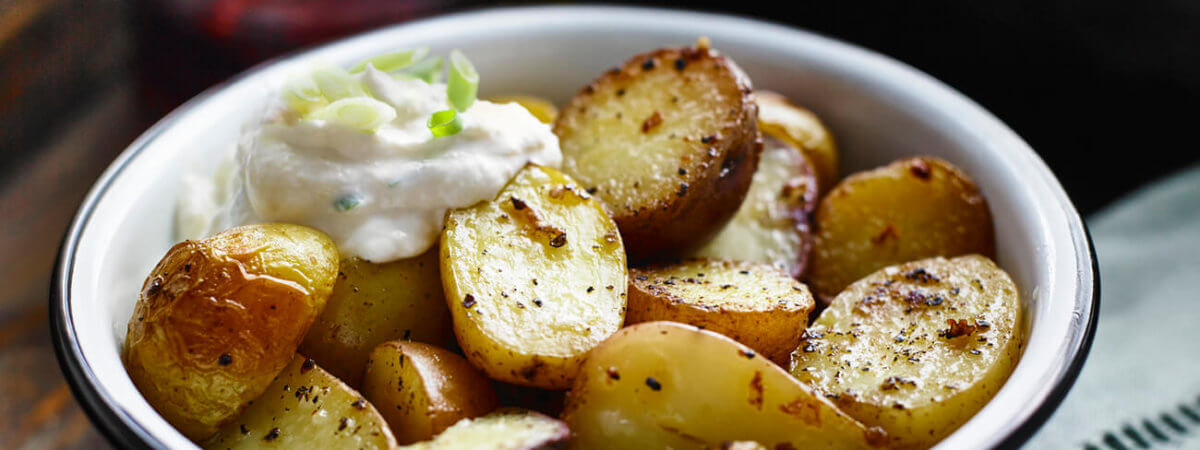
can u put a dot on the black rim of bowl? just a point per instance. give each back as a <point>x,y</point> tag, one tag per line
<point>123,431</point>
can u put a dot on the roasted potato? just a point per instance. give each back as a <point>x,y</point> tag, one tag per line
<point>423,389</point>
<point>911,209</point>
<point>918,348</point>
<point>306,407</point>
<point>782,119</point>
<point>534,278</point>
<point>752,303</point>
<point>373,303</point>
<point>668,385</point>
<point>773,224</point>
<point>539,107</point>
<point>218,318</point>
<point>669,142</point>
<point>508,429</point>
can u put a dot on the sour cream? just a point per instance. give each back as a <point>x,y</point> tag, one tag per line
<point>380,195</point>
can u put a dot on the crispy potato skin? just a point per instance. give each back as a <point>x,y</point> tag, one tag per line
<point>918,348</point>
<point>306,407</point>
<point>534,279</point>
<point>911,209</point>
<point>506,429</point>
<point>422,389</point>
<point>541,108</point>
<point>373,303</point>
<point>218,318</point>
<point>754,304</point>
<point>778,117</point>
<point>669,141</point>
<point>669,385</point>
<point>773,225</point>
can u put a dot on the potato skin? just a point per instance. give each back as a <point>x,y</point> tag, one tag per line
<point>754,304</point>
<point>669,385</point>
<point>669,142</point>
<point>534,278</point>
<point>774,223</point>
<point>373,303</point>
<point>778,117</point>
<point>218,318</point>
<point>917,348</point>
<point>911,209</point>
<point>422,390</point>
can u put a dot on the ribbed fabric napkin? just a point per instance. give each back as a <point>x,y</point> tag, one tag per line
<point>1140,388</point>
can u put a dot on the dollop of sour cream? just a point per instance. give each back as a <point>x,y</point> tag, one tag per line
<point>380,195</point>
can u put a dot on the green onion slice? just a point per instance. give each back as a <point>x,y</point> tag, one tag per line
<point>303,95</point>
<point>463,83</point>
<point>347,202</point>
<point>429,70</point>
<point>361,113</point>
<point>445,123</point>
<point>336,83</point>
<point>391,62</point>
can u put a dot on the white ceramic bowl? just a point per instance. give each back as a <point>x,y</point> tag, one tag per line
<point>879,109</point>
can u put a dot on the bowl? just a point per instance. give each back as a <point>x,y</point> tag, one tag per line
<point>879,110</point>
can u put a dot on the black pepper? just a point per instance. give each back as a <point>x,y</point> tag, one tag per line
<point>653,384</point>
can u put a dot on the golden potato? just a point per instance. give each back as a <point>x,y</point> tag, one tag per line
<point>752,303</point>
<point>669,142</point>
<point>918,348</point>
<point>373,303</point>
<point>534,278</point>
<point>668,385</point>
<point>539,107</point>
<point>780,118</point>
<point>218,318</point>
<point>773,224</point>
<point>911,209</point>
<point>306,407</point>
<point>508,429</point>
<point>423,389</point>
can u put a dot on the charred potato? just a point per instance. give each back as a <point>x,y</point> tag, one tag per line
<point>773,224</point>
<point>668,385</point>
<point>911,209</point>
<point>372,303</point>
<point>534,279</point>
<point>218,318</point>
<point>754,304</point>
<point>669,142</point>
<point>539,107</point>
<point>306,407</point>
<point>780,118</point>
<point>508,429</point>
<point>423,389</point>
<point>918,348</point>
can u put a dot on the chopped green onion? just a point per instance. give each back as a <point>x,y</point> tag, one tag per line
<point>336,83</point>
<point>445,123</point>
<point>391,62</point>
<point>463,82</point>
<point>361,113</point>
<point>302,95</point>
<point>429,70</point>
<point>347,202</point>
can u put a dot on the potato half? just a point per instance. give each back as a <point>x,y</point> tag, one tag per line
<point>773,224</point>
<point>752,303</point>
<point>908,210</point>
<point>218,318</point>
<point>423,389</point>
<point>539,107</point>
<point>373,303</point>
<point>918,348</point>
<point>780,118</point>
<point>534,278</point>
<point>508,429</point>
<point>669,141</point>
<point>668,385</point>
<point>306,407</point>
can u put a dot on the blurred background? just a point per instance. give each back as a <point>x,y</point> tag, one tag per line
<point>1105,91</point>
